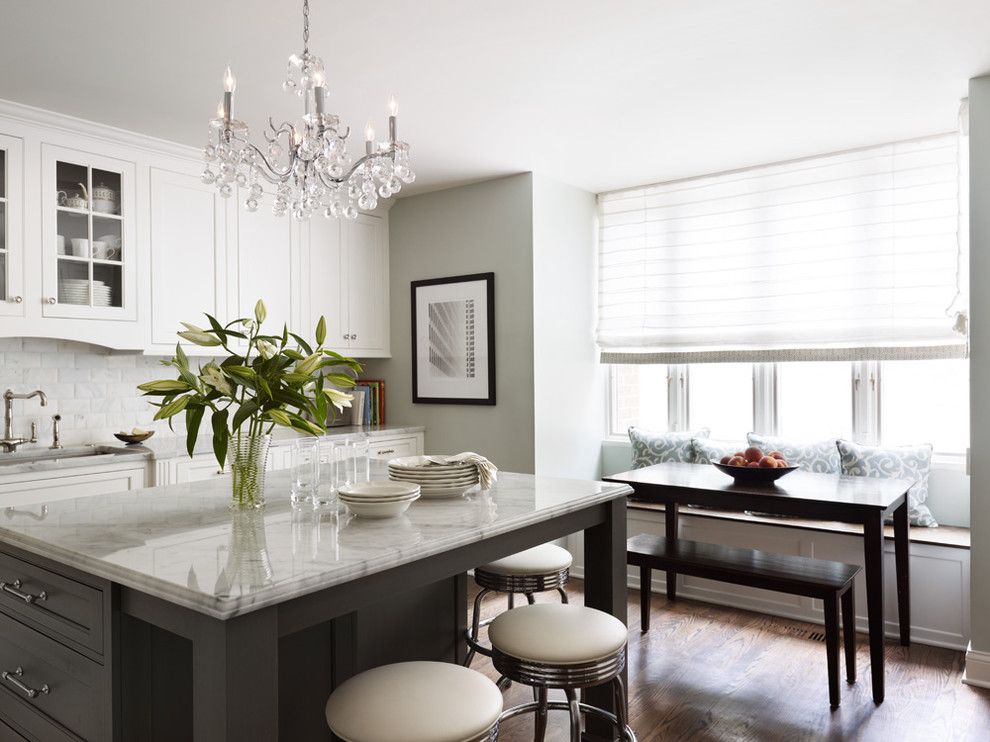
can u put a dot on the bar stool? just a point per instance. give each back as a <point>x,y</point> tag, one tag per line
<point>535,570</point>
<point>416,702</point>
<point>567,647</point>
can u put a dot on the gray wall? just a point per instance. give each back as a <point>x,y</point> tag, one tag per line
<point>979,175</point>
<point>472,229</point>
<point>569,382</point>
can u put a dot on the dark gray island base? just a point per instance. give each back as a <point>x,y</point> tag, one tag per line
<point>166,617</point>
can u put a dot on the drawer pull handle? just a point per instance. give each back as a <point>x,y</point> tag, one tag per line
<point>385,451</point>
<point>14,678</point>
<point>14,589</point>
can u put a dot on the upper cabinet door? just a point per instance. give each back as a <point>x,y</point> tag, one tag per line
<point>266,268</point>
<point>366,254</point>
<point>323,282</point>
<point>188,255</point>
<point>11,228</point>
<point>89,246</point>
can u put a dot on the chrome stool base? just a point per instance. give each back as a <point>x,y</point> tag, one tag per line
<point>490,582</point>
<point>569,678</point>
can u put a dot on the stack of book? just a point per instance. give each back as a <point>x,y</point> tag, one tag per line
<point>369,402</point>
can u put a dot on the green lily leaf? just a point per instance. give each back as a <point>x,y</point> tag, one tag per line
<point>220,436</point>
<point>194,416</point>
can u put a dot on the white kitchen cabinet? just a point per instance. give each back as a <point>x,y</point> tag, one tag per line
<point>89,238</point>
<point>63,484</point>
<point>346,280</point>
<point>11,227</point>
<point>266,266</point>
<point>188,255</point>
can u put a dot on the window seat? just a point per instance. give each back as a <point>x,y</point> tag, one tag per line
<point>951,536</point>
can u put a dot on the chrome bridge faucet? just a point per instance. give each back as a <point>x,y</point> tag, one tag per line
<point>9,443</point>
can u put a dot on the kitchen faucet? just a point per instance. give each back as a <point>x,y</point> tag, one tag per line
<point>9,443</point>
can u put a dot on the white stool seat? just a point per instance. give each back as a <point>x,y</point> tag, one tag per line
<point>557,634</point>
<point>541,559</point>
<point>414,702</point>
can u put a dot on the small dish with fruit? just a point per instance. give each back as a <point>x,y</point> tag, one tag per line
<point>752,466</point>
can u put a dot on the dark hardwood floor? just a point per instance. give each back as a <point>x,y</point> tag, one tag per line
<point>705,672</point>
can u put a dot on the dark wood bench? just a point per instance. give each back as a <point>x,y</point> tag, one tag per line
<point>830,582</point>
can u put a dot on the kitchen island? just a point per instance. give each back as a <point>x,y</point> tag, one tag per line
<point>167,616</point>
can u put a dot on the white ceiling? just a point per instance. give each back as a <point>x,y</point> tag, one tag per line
<point>594,93</point>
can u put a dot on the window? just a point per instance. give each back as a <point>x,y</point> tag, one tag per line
<point>814,400</point>
<point>925,402</point>
<point>720,398</point>
<point>890,403</point>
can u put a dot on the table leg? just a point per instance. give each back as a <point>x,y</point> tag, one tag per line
<point>902,562</point>
<point>235,678</point>
<point>670,518</point>
<point>873,548</point>
<point>605,589</point>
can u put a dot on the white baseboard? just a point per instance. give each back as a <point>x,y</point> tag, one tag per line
<point>977,668</point>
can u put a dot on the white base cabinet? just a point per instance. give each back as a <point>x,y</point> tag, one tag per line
<point>21,490</point>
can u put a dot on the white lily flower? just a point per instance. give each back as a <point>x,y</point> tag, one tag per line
<point>338,399</point>
<point>213,376</point>
<point>248,324</point>
<point>266,349</point>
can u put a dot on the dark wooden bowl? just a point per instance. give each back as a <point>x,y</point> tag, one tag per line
<point>133,440</point>
<point>747,475</point>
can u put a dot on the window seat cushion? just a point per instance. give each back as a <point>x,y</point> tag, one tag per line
<point>658,447</point>
<point>817,456</point>
<point>900,462</point>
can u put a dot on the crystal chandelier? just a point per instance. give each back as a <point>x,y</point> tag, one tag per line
<point>317,173</point>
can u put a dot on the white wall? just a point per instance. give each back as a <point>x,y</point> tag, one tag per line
<point>471,229</point>
<point>979,174</point>
<point>569,383</point>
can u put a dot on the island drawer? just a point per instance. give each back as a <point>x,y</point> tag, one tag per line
<point>392,448</point>
<point>60,685</point>
<point>51,602</point>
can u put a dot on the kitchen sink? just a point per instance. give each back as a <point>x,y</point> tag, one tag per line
<point>29,456</point>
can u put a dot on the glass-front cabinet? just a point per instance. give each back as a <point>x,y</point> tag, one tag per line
<point>88,235</point>
<point>11,234</point>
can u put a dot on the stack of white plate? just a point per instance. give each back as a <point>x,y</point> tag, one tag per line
<point>76,291</point>
<point>379,499</point>
<point>435,480</point>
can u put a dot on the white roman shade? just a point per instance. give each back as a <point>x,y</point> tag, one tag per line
<point>848,256</point>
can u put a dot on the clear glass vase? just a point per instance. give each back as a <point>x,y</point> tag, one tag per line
<point>247,456</point>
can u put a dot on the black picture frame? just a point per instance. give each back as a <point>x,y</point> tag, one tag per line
<point>423,397</point>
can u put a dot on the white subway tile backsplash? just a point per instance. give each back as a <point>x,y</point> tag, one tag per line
<point>95,390</point>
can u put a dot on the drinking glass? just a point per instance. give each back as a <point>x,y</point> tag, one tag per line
<point>305,468</point>
<point>326,489</point>
<point>343,465</point>
<point>362,464</point>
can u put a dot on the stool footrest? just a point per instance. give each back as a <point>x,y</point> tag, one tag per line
<point>524,708</point>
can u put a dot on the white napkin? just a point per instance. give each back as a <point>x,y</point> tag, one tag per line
<point>487,471</point>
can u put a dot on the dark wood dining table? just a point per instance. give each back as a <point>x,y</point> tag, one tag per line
<point>834,497</point>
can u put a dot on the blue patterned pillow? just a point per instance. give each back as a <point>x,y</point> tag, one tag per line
<point>707,450</point>
<point>819,456</point>
<point>902,462</point>
<point>654,447</point>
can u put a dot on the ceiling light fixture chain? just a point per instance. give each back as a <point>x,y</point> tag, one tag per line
<point>317,174</point>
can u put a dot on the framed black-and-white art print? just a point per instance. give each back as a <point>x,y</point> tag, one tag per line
<point>453,340</point>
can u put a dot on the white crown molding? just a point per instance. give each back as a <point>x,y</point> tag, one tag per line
<point>977,671</point>
<point>72,125</point>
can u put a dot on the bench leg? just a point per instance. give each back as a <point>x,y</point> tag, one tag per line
<point>832,648</point>
<point>849,633</point>
<point>645,578</point>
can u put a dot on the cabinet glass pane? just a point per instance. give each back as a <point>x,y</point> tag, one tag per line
<point>3,174</point>
<point>3,276</point>
<point>107,243</point>
<point>3,225</point>
<point>72,184</point>
<point>106,192</point>
<point>107,285</point>
<point>73,234</point>
<point>73,281</point>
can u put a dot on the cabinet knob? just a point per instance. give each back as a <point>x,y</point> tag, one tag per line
<point>51,300</point>
<point>353,337</point>
<point>16,299</point>
<point>347,337</point>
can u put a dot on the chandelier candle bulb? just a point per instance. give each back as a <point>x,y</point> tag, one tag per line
<point>393,111</point>
<point>320,92</point>
<point>369,138</point>
<point>229,84</point>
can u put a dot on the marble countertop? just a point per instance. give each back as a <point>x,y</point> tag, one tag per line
<point>160,448</point>
<point>182,544</point>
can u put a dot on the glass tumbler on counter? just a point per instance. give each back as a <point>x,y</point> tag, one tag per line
<point>305,469</point>
<point>362,463</point>
<point>326,489</point>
